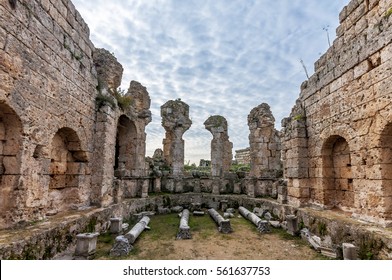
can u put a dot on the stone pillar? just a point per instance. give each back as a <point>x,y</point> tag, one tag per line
<point>115,225</point>
<point>221,147</point>
<point>175,120</point>
<point>264,141</point>
<point>141,108</point>
<point>350,251</point>
<point>157,184</point>
<point>292,224</point>
<point>146,183</point>
<point>86,244</point>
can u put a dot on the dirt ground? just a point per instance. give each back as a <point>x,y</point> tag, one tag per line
<point>233,247</point>
<point>244,243</point>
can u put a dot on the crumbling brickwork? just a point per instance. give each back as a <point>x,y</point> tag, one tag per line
<point>47,109</point>
<point>337,139</point>
<point>242,156</point>
<point>264,141</point>
<point>59,119</point>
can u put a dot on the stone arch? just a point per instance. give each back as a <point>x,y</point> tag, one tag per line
<point>10,156</point>
<point>68,162</point>
<point>126,147</point>
<point>337,173</point>
<point>386,168</point>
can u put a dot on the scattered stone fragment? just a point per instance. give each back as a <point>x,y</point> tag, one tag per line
<point>292,224</point>
<point>262,225</point>
<point>267,216</point>
<point>224,205</point>
<point>230,210</point>
<point>163,211</point>
<point>124,227</point>
<point>177,209</point>
<point>224,225</point>
<point>198,213</point>
<point>196,207</point>
<point>315,241</point>
<point>184,229</point>
<point>275,224</point>
<point>228,215</point>
<point>140,215</point>
<point>121,247</point>
<point>328,252</point>
<point>305,234</point>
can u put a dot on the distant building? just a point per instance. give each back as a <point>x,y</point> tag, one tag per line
<point>242,156</point>
<point>204,163</point>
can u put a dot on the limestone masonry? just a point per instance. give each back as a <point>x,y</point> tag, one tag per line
<point>72,144</point>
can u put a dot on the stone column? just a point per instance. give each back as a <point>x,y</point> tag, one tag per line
<point>221,147</point>
<point>264,141</point>
<point>175,120</point>
<point>141,108</point>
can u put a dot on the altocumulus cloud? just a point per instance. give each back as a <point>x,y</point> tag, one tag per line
<point>219,56</point>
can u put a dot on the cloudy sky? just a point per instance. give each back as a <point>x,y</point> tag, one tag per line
<point>221,57</point>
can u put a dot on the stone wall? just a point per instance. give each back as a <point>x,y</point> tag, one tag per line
<point>47,109</point>
<point>337,146</point>
<point>242,156</point>
<point>64,124</point>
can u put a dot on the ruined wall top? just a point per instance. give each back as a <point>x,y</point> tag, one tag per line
<point>140,96</point>
<point>216,124</point>
<point>109,70</point>
<point>175,114</point>
<point>261,116</point>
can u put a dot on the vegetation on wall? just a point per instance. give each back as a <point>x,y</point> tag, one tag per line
<point>124,101</point>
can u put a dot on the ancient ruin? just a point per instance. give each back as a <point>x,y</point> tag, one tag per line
<point>221,147</point>
<point>264,142</point>
<point>336,140</point>
<point>175,120</point>
<point>72,149</point>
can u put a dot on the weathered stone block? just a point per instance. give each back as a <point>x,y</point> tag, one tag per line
<point>349,251</point>
<point>86,244</point>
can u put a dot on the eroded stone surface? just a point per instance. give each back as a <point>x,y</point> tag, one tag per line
<point>264,142</point>
<point>337,148</point>
<point>176,121</point>
<point>221,147</point>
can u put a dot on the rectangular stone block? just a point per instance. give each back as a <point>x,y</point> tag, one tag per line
<point>72,180</point>
<point>58,167</point>
<point>302,192</point>
<point>11,165</point>
<point>86,244</point>
<point>57,182</point>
